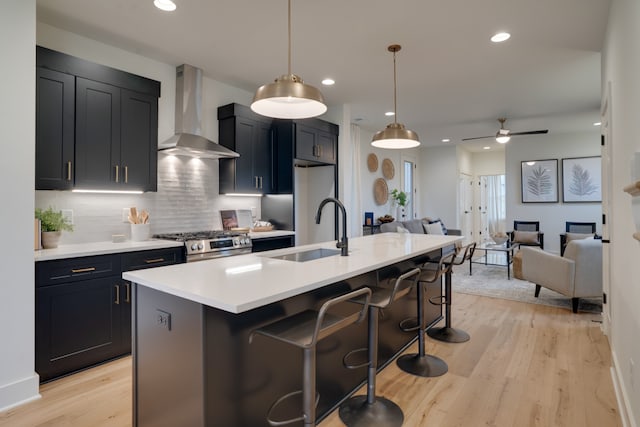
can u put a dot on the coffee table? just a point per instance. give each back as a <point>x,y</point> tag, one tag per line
<point>500,255</point>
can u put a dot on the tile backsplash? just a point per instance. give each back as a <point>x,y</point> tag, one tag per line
<point>187,200</point>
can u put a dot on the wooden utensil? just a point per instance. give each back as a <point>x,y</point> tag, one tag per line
<point>144,216</point>
<point>133,215</point>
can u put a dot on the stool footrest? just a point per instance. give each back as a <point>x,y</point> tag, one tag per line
<point>277,423</point>
<point>405,327</point>
<point>438,300</point>
<point>351,353</point>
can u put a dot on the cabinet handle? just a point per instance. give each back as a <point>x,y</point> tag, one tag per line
<point>127,287</point>
<point>117,301</point>
<point>117,173</point>
<point>315,150</point>
<point>319,150</point>
<point>126,174</point>
<point>153,261</point>
<point>69,170</point>
<point>83,270</point>
<point>261,183</point>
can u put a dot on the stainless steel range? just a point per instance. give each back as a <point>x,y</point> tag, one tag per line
<point>203,245</point>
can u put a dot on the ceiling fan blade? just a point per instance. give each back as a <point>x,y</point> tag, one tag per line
<point>478,137</point>
<point>531,132</point>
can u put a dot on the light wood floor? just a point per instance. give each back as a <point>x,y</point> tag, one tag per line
<point>526,365</point>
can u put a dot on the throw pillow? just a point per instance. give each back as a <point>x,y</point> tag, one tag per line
<point>525,237</point>
<point>438,220</point>
<point>414,226</point>
<point>433,228</point>
<point>401,229</point>
<point>578,236</point>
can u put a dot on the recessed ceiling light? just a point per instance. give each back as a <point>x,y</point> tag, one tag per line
<point>597,124</point>
<point>328,82</point>
<point>166,5</point>
<point>500,37</point>
<point>486,148</point>
<point>446,140</point>
<point>389,113</point>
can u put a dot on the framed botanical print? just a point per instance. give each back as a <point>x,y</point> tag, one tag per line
<point>582,180</point>
<point>539,181</point>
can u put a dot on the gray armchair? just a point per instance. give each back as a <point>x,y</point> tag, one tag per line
<point>577,274</point>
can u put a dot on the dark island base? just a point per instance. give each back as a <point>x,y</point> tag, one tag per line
<point>194,366</point>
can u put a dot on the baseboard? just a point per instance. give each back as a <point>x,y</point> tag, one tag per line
<point>19,392</point>
<point>621,395</point>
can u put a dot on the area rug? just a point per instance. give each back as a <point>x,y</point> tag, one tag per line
<point>491,281</point>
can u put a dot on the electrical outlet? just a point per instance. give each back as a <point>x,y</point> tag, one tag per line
<point>163,319</point>
<point>254,212</point>
<point>125,215</point>
<point>68,215</point>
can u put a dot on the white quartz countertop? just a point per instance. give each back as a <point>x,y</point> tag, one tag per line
<point>273,233</point>
<point>101,248</point>
<point>241,283</point>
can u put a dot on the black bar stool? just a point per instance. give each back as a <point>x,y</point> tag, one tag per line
<point>422,364</point>
<point>304,330</point>
<point>447,333</point>
<point>372,410</point>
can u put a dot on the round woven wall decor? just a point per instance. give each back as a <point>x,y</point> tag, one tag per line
<point>388,171</point>
<point>380,191</point>
<point>372,162</point>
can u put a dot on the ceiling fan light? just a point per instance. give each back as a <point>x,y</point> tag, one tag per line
<point>502,139</point>
<point>395,136</point>
<point>288,98</point>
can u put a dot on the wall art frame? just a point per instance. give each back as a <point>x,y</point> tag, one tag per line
<point>539,181</point>
<point>582,179</point>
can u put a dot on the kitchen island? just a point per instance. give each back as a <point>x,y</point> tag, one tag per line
<point>193,364</point>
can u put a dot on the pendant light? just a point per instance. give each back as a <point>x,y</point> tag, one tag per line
<point>395,135</point>
<point>288,97</point>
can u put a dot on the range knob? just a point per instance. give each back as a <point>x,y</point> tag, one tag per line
<point>194,247</point>
<point>200,246</point>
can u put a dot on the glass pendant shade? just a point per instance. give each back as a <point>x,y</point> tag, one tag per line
<point>288,98</point>
<point>395,136</point>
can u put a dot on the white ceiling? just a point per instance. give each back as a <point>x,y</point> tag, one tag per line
<point>452,81</point>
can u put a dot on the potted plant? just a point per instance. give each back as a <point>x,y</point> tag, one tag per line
<point>401,199</point>
<point>51,225</point>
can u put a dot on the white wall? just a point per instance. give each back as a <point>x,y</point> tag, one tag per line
<point>18,381</point>
<point>552,216</point>
<point>621,67</point>
<point>488,163</point>
<point>187,197</point>
<point>439,184</point>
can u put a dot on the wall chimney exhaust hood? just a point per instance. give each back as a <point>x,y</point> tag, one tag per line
<point>188,140</point>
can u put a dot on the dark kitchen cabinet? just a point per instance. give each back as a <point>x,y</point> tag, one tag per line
<point>83,308</point>
<point>116,138</point>
<point>271,243</point>
<point>306,142</point>
<point>55,131</point>
<point>251,136</point>
<point>113,145</point>
<point>315,144</point>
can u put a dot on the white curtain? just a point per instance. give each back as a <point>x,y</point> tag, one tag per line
<point>352,199</point>
<point>496,204</point>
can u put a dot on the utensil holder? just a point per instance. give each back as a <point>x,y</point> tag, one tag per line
<point>140,232</point>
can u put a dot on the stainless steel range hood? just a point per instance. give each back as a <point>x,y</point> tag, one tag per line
<point>188,140</point>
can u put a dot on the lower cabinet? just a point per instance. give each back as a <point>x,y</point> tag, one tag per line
<point>83,309</point>
<point>270,243</point>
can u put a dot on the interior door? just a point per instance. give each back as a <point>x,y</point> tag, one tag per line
<point>465,213</point>
<point>607,210</point>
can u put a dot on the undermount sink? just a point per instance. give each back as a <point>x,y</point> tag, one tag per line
<point>308,255</point>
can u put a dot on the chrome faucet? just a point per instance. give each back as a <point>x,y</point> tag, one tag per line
<point>343,243</point>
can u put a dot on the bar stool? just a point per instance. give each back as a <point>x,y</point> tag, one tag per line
<point>304,330</point>
<point>447,333</point>
<point>372,410</point>
<point>422,364</point>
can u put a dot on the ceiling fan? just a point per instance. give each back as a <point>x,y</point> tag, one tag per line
<point>504,135</point>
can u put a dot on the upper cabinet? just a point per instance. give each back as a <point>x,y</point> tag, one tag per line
<point>251,136</point>
<point>316,142</point>
<point>113,145</point>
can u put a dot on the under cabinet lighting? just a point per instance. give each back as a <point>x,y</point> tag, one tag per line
<point>244,194</point>
<point>77,190</point>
